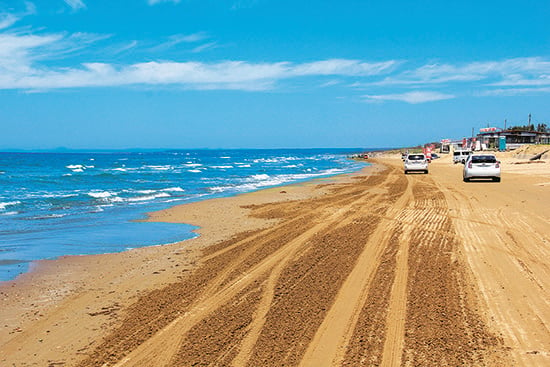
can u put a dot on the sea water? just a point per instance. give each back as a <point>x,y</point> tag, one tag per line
<point>56,204</point>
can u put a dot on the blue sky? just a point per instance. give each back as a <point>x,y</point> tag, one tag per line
<point>121,74</point>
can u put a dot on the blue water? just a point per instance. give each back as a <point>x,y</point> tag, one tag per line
<point>55,204</point>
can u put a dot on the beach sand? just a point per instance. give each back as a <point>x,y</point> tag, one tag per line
<point>375,268</point>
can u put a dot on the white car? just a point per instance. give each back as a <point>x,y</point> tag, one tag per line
<point>481,166</point>
<point>416,162</point>
<point>460,156</point>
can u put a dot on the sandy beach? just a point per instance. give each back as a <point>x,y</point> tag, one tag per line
<point>375,268</point>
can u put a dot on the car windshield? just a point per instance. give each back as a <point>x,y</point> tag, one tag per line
<point>416,157</point>
<point>483,159</point>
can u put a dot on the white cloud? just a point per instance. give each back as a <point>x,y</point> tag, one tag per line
<point>410,97</point>
<point>226,75</point>
<point>177,39</point>
<point>510,92</point>
<point>344,67</point>
<point>222,75</point>
<point>21,67</point>
<point>76,4</point>
<point>125,47</point>
<point>517,71</point>
<point>330,83</point>
<point>16,51</point>
<point>195,37</point>
<point>524,80</point>
<point>26,63</point>
<point>23,54</point>
<point>7,20</point>
<point>204,47</point>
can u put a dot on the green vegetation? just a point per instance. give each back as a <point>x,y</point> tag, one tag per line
<point>543,128</point>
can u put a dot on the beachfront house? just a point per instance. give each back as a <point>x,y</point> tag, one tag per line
<point>496,138</point>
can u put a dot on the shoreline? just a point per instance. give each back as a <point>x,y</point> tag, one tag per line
<point>164,216</point>
<point>73,303</point>
<point>143,217</point>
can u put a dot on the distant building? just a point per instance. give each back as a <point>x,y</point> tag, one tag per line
<point>445,146</point>
<point>490,138</point>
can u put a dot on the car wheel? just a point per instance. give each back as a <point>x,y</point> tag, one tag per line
<point>496,179</point>
<point>426,171</point>
<point>466,179</point>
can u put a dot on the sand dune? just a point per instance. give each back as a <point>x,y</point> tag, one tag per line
<point>372,269</point>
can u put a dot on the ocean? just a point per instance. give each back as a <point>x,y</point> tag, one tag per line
<point>56,204</point>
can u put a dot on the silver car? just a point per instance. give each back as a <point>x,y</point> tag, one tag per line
<point>481,166</point>
<point>416,162</point>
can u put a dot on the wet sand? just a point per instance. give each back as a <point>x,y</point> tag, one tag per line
<point>377,268</point>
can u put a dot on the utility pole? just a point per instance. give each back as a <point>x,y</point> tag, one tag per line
<point>529,124</point>
<point>504,124</point>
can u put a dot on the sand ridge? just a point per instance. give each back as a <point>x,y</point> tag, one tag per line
<point>374,269</point>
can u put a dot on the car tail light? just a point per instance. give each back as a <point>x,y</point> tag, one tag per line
<point>497,165</point>
<point>470,164</point>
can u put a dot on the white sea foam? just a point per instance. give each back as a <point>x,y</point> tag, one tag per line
<point>266,160</point>
<point>244,166</point>
<point>194,170</point>
<point>221,167</point>
<point>100,194</point>
<point>192,165</point>
<point>143,191</point>
<point>225,157</point>
<point>260,177</point>
<point>160,168</point>
<point>52,195</point>
<point>48,216</point>
<point>8,213</point>
<point>276,159</point>
<point>4,205</point>
<point>149,197</point>
<point>78,167</point>
<point>219,188</point>
<point>255,182</point>
<point>173,189</point>
<point>114,199</point>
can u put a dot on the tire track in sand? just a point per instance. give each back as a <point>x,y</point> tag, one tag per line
<point>506,252</point>
<point>307,289</point>
<point>163,346</point>
<point>159,348</point>
<point>442,326</point>
<point>331,340</point>
<point>271,299</point>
